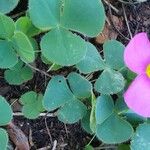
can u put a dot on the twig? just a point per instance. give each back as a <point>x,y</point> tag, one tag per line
<point>125,16</point>
<point>129,3</point>
<point>54,145</point>
<point>91,140</point>
<point>110,5</point>
<point>30,138</point>
<point>18,14</point>
<point>45,148</point>
<point>48,131</point>
<point>38,70</point>
<point>89,76</point>
<point>66,130</point>
<point>110,12</point>
<point>51,67</point>
<point>41,114</point>
<point>13,102</point>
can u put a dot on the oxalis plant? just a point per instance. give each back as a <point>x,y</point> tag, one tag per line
<point>105,106</point>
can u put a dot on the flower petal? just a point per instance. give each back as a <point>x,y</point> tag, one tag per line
<point>137,53</point>
<point>137,97</point>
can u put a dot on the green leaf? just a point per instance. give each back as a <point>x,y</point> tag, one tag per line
<point>45,61</point>
<point>23,47</point>
<point>8,57</point>
<point>134,118</point>
<point>109,82</point>
<point>7,27</point>
<point>141,140</point>
<point>45,14</point>
<point>91,62</point>
<point>5,112</point>
<point>88,147</point>
<point>57,93</point>
<point>54,67</point>
<point>62,47</point>
<point>87,17</point>
<point>18,74</point>
<point>34,44</point>
<point>93,116</point>
<point>25,25</point>
<point>104,108</point>
<point>3,139</point>
<point>80,87</point>
<point>72,112</point>
<point>114,130</point>
<point>123,147</point>
<point>7,5</point>
<point>32,104</point>
<point>130,76</point>
<point>85,122</point>
<point>120,105</point>
<point>113,53</point>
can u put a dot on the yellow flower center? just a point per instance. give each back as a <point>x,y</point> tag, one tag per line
<point>148,70</point>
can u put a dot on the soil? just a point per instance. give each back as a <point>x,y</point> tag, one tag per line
<point>46,132</point>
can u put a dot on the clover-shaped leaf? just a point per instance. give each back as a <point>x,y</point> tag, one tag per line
<point>25,25</point>
<point>113,54</point>
<point>80,87</point>
<point>59,94</point>
<point>13,44</point>
<point>18,74</point>
<point>45,14</point>
<point>5,112</point>
<point>92,61</point>
<point>87,17</point>
<point>59,45</point>
<point>134,118</point>
<point>72,111</point>
<point>7,26</point>
<point>104,108</point>
<point>110,82</point>
<point>6,5</point>
<point>3,139</point>
<point>64,14</point>
<point>109,124</point>
<point>8,57</point>
<point>23,46</point>
<point>62,47</point>
<point>32,104</point>
<point>120,105</point>
<point>140,139</point>
<point>85,122</point>
<point>110,131</point>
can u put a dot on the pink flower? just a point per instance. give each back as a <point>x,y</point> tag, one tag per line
<point>137,58</point>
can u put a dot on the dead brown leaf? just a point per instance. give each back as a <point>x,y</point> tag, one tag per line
<point>109,32</point>
<point>17,137</point>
